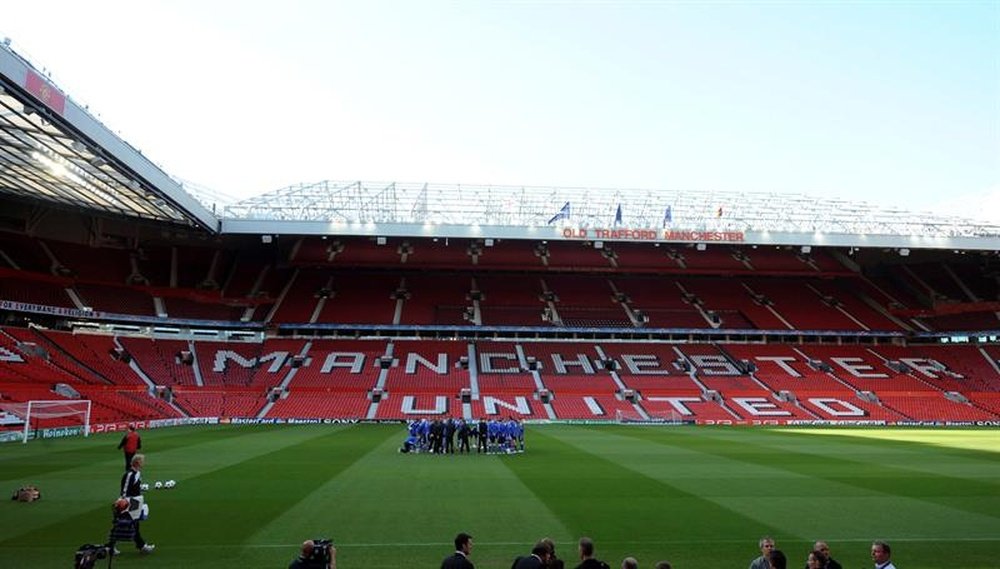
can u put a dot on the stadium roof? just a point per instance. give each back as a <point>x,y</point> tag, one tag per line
<point>384,208</point>
<point>53,150</point>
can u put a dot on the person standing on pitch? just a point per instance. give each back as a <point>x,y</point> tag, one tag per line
<point>460,559</point>
<point>132,487</point>
<point>539,558</point>
<point>882,555</point>
<point>766,545</point>
<point>587,559</point>
<point>130,444</point>
<point>824,559</point>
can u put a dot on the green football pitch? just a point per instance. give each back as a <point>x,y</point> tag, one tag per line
<point>699,497</point>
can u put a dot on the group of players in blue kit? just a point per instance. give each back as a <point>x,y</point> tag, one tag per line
<point>439,436</point>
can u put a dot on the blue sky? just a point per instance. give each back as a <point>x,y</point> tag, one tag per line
<point>896,102</point>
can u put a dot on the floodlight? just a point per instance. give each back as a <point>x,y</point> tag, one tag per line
<point>701,246</point>
<point>806,249</point>
<point>904,252</point>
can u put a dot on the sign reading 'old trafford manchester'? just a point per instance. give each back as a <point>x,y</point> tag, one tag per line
<point>628,234</point>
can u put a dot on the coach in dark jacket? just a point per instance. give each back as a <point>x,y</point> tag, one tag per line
<point>587,560</point>
<point>537,560</point>
<point>460,559</point>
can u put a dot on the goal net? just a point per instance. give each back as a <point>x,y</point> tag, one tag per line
<point>38,415</point>
<point>633,417</point>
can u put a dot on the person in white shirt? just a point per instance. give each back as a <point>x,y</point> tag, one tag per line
<point>881,554</point>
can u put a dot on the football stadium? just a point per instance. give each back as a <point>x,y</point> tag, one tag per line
<point>692,371</point>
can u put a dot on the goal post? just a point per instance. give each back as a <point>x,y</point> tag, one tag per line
<point>51,413</point>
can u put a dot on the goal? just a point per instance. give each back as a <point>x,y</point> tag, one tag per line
<point>39,415</point>
<point>633,418</point>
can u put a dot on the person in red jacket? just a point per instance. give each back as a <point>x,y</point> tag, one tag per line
<point>131,443</point>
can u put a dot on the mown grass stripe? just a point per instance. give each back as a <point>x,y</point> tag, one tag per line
<point>617,505</point>
<point>886,467</point>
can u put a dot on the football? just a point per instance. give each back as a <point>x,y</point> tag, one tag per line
<point>169,484</point>
<point>144,486</point>
<point>158,485</point>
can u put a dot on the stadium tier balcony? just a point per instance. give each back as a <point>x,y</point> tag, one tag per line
<point>95,264</point>
<point>194,265</point>
<point>802,307</point>
<point>24,254</point>
<point>357,252</point>
<point>846,292</point>
<point>768,259</point>
<point>361,299</point>
<point>575,255</point>
<point>302,297</point>
<point>117,299</point>
<point>154,264</point>
<point>34,289</point>
<point>436,299</point>
<point>977,279</point>
<point>895,292</point>
<point>711,259</point>
<point>158,359</point>
<point>937,279</point>
<point>510,300</point>
<point>587,301</point>
<point>720,295</point>
<point>509,255</point>
<point>442,253</point>
<point>969,321</point>
<point>202,309</point>
<point>243,275</point>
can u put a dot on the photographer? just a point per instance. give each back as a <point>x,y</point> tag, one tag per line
<point>316,554</point>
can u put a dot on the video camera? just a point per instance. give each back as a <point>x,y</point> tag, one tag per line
<point>321,552</point>
<point>89,554</point>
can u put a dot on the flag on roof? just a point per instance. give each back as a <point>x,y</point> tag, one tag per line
<point>563,213</point>
<point>668,217</point>
<point>618,215</point>
<point>719,213</point>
